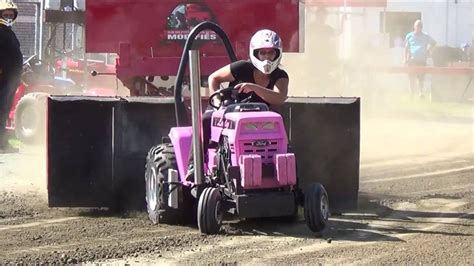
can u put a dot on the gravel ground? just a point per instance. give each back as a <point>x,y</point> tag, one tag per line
<point>416,206</point>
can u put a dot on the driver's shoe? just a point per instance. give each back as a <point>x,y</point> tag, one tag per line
<point>7,148</point>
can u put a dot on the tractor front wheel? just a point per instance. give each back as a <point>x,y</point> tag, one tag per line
<point>210,211</point>
<point>316,207</point>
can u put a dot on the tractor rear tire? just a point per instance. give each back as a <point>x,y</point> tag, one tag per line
<point>30,118</point>
<point>160,159</point>
<point>316,207</point>
<point>210,211</point>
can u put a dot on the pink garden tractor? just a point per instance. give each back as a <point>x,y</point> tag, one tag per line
<point>248,170</point>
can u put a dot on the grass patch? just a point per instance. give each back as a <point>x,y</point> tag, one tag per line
<point>16,143</point>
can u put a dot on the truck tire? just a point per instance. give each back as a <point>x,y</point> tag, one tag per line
<point>316,207</point>
<point>30,118</point>
<point>210,214</point>
<point>160,159</point>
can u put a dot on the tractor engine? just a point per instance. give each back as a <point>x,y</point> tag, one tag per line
<point>256,142</point>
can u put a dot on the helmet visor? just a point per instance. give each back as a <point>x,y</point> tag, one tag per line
<point>8,15</point>
<point>270,54</point>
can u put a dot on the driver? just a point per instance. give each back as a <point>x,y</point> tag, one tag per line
<point>11,63</point>
<point>259,78</point>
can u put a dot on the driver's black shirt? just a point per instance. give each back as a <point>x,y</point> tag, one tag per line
<point>243,72</point>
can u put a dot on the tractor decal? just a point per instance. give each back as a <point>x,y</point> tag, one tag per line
<point>184,17</point>
<point>223,123</point>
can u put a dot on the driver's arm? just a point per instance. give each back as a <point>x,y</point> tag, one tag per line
<point>277,96</point>
<point>219,76</point>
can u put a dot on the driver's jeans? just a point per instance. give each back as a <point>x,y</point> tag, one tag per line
<point>206,130</point>
<point>206,134</point>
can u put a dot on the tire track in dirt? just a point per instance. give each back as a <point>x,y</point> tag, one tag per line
<point>429,174</point>
<point>414,166</point>
<point>286,241</point>
<point>376,227</point>
<point>37,224</point>
<point>73,243</point>
<point>265,243</point>
<point>452,190</point>
<point>98,243</point>
<point>436,223</point>
<point>415,161</point>
<point>452,176</point>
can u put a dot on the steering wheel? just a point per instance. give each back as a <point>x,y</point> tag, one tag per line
<point>228,96</point>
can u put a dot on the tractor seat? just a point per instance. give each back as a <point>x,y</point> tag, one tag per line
<point>246,107</point>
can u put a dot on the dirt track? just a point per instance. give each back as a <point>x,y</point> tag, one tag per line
<point>416,206</point>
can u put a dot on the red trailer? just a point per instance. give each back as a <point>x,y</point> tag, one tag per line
<point>152,45</point>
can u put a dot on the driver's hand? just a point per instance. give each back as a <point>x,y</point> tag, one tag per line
<point>216,101</point>
<point>245,87</point>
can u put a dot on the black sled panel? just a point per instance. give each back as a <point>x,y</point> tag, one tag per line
<point>97,149</point>
<point>325,135</point>
<point>139,124</point>
<point>79,151</point>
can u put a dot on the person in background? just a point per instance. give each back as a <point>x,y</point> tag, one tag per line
<point>418,46</point>
<point>466,52</point>
<point>322,52</point>
<point>11,64</point>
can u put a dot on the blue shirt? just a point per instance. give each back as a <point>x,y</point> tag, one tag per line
<point>418,45</point>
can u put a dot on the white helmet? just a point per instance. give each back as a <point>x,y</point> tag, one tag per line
<point>8,5</point>
<point>265,39</point>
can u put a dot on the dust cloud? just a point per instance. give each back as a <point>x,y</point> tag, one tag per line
<point>24,173</point>
<point>341,58</point>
